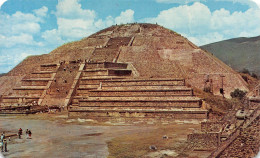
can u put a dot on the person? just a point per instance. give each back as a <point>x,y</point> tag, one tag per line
<point>2,146</point>
<point>2,137</point>
<point>5,145</point>
<point>27,133</point>
<point>30,134</point>
<point>20,132</point>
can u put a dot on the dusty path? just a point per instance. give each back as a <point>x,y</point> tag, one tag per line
<point>53,139</point>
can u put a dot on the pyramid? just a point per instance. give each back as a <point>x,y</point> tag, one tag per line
<point>124,69</point>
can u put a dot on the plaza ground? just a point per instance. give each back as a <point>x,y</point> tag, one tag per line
<point>56,136</point>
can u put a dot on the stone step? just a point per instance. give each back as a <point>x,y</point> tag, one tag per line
<point>131,87</point>
<point>137,108</point>
<point>138,113</point>
<point>43,72</point>
<point>118,41</point>
<point>106,72</point>
<point>97,79</point>
<point>187,102</point>
<point>37,79</point>
<point>41,75</point>
<point>29,92</point>
<point>34,82</point>
<point>94,65</point>
<point>104,54</point>
<point>88,86</point>
<point>18,99</point>
<point>144,82</point>
<point>48,67</point>
<point>17,102</point>
<point>80,96</point>
<point>139,92</point>
<point>30,88</point>
<point>144,87</point>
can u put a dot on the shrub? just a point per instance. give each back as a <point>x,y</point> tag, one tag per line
<point>207,89</point>
<point>237,93</point>
<point>254,75</point>
<point>246,71</point>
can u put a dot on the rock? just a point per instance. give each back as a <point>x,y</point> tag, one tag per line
<point>165,137</point>
<point>152,147</point>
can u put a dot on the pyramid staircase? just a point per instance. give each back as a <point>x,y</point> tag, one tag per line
<point>107,90</point>
<point>32,87</point>
<point>110,51</point>
<point>60,87</point>
<point>94,74</point>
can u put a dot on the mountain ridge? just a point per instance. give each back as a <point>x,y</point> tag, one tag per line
<point>239,53</point>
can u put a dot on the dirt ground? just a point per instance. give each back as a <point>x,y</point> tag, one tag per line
<point>58,137</point>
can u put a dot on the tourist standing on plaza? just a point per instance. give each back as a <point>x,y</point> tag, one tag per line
<point>20,132</point>
<point>27,133</point>
<point>2,146</point>
<point>30,134</point>
<point>5,145</point>
<point>2,137</point>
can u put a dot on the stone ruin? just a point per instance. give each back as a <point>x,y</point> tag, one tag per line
<point>232,136</point>
<point>131,71</point>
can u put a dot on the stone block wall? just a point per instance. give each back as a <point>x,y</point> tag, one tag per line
<point>247,144</point>
<point>254,103</point>
<point>138,115</point>
<point>204,141</point>
<point>210,126</point>
<point>127,103</point>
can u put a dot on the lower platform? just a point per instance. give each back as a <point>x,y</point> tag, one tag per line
<point>138,113</point>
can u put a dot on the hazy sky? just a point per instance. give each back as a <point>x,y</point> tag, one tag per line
<point>31,27</point>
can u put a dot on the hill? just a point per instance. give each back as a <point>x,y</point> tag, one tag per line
<point>239,53</point>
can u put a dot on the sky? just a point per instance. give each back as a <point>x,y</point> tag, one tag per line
<point>34,27</point>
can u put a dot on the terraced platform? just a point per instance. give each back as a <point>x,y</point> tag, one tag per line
<point>33,85</point>
<point>137,113</point>
<point>11,100</point>
<point>101,94</point>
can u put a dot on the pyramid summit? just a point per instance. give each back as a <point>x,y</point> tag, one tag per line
<point>140,62</point>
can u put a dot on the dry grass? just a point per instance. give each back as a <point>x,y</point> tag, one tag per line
<point>252,82</point>
<point>217,104</point>
<point>137,145</point>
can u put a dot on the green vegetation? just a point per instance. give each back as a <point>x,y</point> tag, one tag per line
<point>246,71</point>
<point>254,75</point>
<point>217,104</point>
<point>239,94</point>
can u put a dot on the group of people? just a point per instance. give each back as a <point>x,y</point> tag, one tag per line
<point>27,132</point>
<point>3,143</point>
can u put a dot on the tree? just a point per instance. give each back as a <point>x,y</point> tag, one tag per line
<point>237,93</point>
